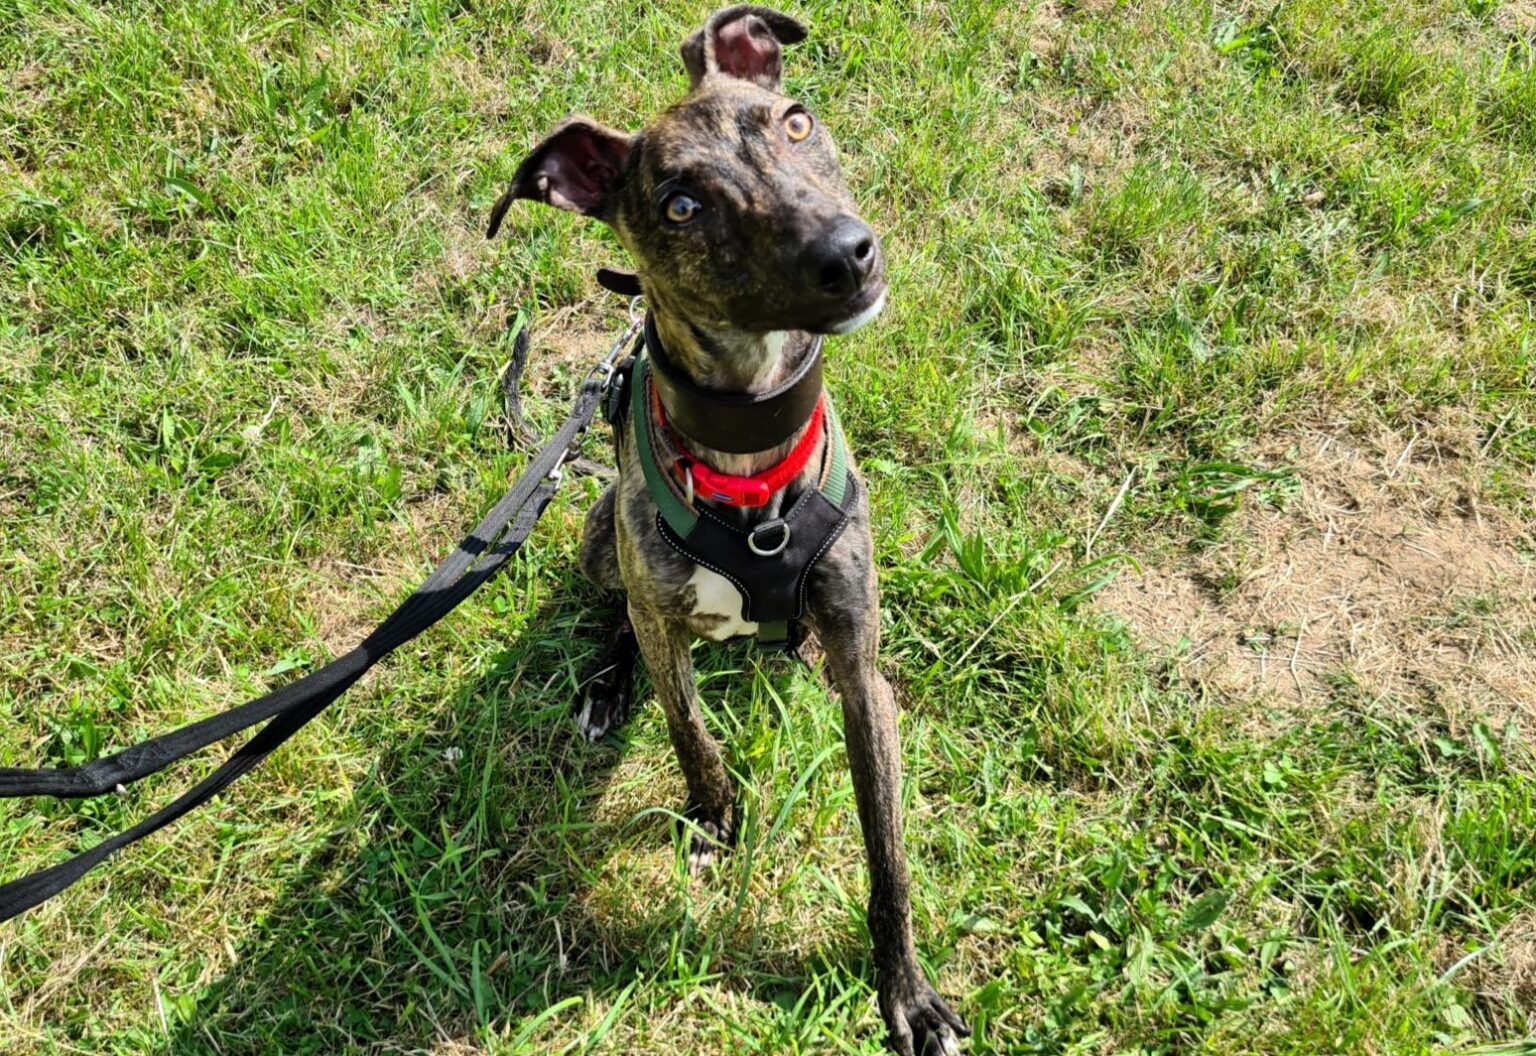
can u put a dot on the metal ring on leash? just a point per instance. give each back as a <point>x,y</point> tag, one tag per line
<point>783,538</point>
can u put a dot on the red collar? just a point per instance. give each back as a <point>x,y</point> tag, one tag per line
<point>698,479</point>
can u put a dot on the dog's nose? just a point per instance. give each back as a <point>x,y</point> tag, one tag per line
<point>840,260</point>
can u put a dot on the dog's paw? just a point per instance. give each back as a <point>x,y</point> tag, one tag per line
<point>711,835</point>
<point>603,703</point>
<point>920,1023</point>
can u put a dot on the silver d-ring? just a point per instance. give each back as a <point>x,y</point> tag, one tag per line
<point>783,539</point>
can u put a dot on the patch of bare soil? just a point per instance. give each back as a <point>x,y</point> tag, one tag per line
<point>570,339</point>
<point>1384,574</point>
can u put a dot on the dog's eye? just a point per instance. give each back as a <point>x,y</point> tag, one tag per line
<point>680,208</point>
<point>797,125</point>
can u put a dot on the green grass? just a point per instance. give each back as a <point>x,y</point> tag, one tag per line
<point>249,344</point>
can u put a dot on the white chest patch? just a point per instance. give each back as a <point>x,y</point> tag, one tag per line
<point>768,354</point>
<point>716,596</point>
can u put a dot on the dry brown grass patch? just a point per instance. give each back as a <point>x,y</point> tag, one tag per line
<point>1385,573</point>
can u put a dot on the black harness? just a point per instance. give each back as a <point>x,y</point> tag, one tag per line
<point>770,562</point>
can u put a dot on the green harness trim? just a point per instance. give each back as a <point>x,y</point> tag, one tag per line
<point>678,515</point>
<point>837,474</point>
<point>775,634</point>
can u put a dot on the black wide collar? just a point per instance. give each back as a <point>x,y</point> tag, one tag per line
<point>739,423</point>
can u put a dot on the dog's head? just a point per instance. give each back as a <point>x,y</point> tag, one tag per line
<point>732,201</point>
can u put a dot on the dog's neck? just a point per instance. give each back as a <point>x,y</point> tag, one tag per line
<point>733,361</point>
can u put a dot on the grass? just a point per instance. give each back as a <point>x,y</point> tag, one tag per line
<point>249,344</point>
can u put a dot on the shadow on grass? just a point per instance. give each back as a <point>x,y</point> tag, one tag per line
<point>463,894</point>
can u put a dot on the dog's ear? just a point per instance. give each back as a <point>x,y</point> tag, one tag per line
<point>742,41</point>
<point>578,167</point>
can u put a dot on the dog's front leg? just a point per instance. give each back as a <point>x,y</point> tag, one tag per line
<point>919,1020</point>
<point>711,795</point>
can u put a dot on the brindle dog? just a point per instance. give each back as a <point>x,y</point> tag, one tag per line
<point>748,244</point>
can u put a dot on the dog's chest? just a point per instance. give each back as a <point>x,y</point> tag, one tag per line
<point>716,612</point>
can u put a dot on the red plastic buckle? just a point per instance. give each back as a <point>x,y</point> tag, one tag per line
<point>724,487</point>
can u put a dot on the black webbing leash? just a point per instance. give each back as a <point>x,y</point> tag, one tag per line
<point>478,557</point>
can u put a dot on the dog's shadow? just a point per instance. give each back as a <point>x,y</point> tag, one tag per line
<point>469,888</point>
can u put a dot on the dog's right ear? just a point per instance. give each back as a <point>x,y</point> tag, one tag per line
<point>578,167</point>
<point>744,42</point>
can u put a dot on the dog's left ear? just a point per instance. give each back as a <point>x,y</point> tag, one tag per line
<point>744,42</point>
<point>578,167</point>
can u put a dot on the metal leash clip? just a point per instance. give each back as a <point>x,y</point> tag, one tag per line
<point>610,362</point>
